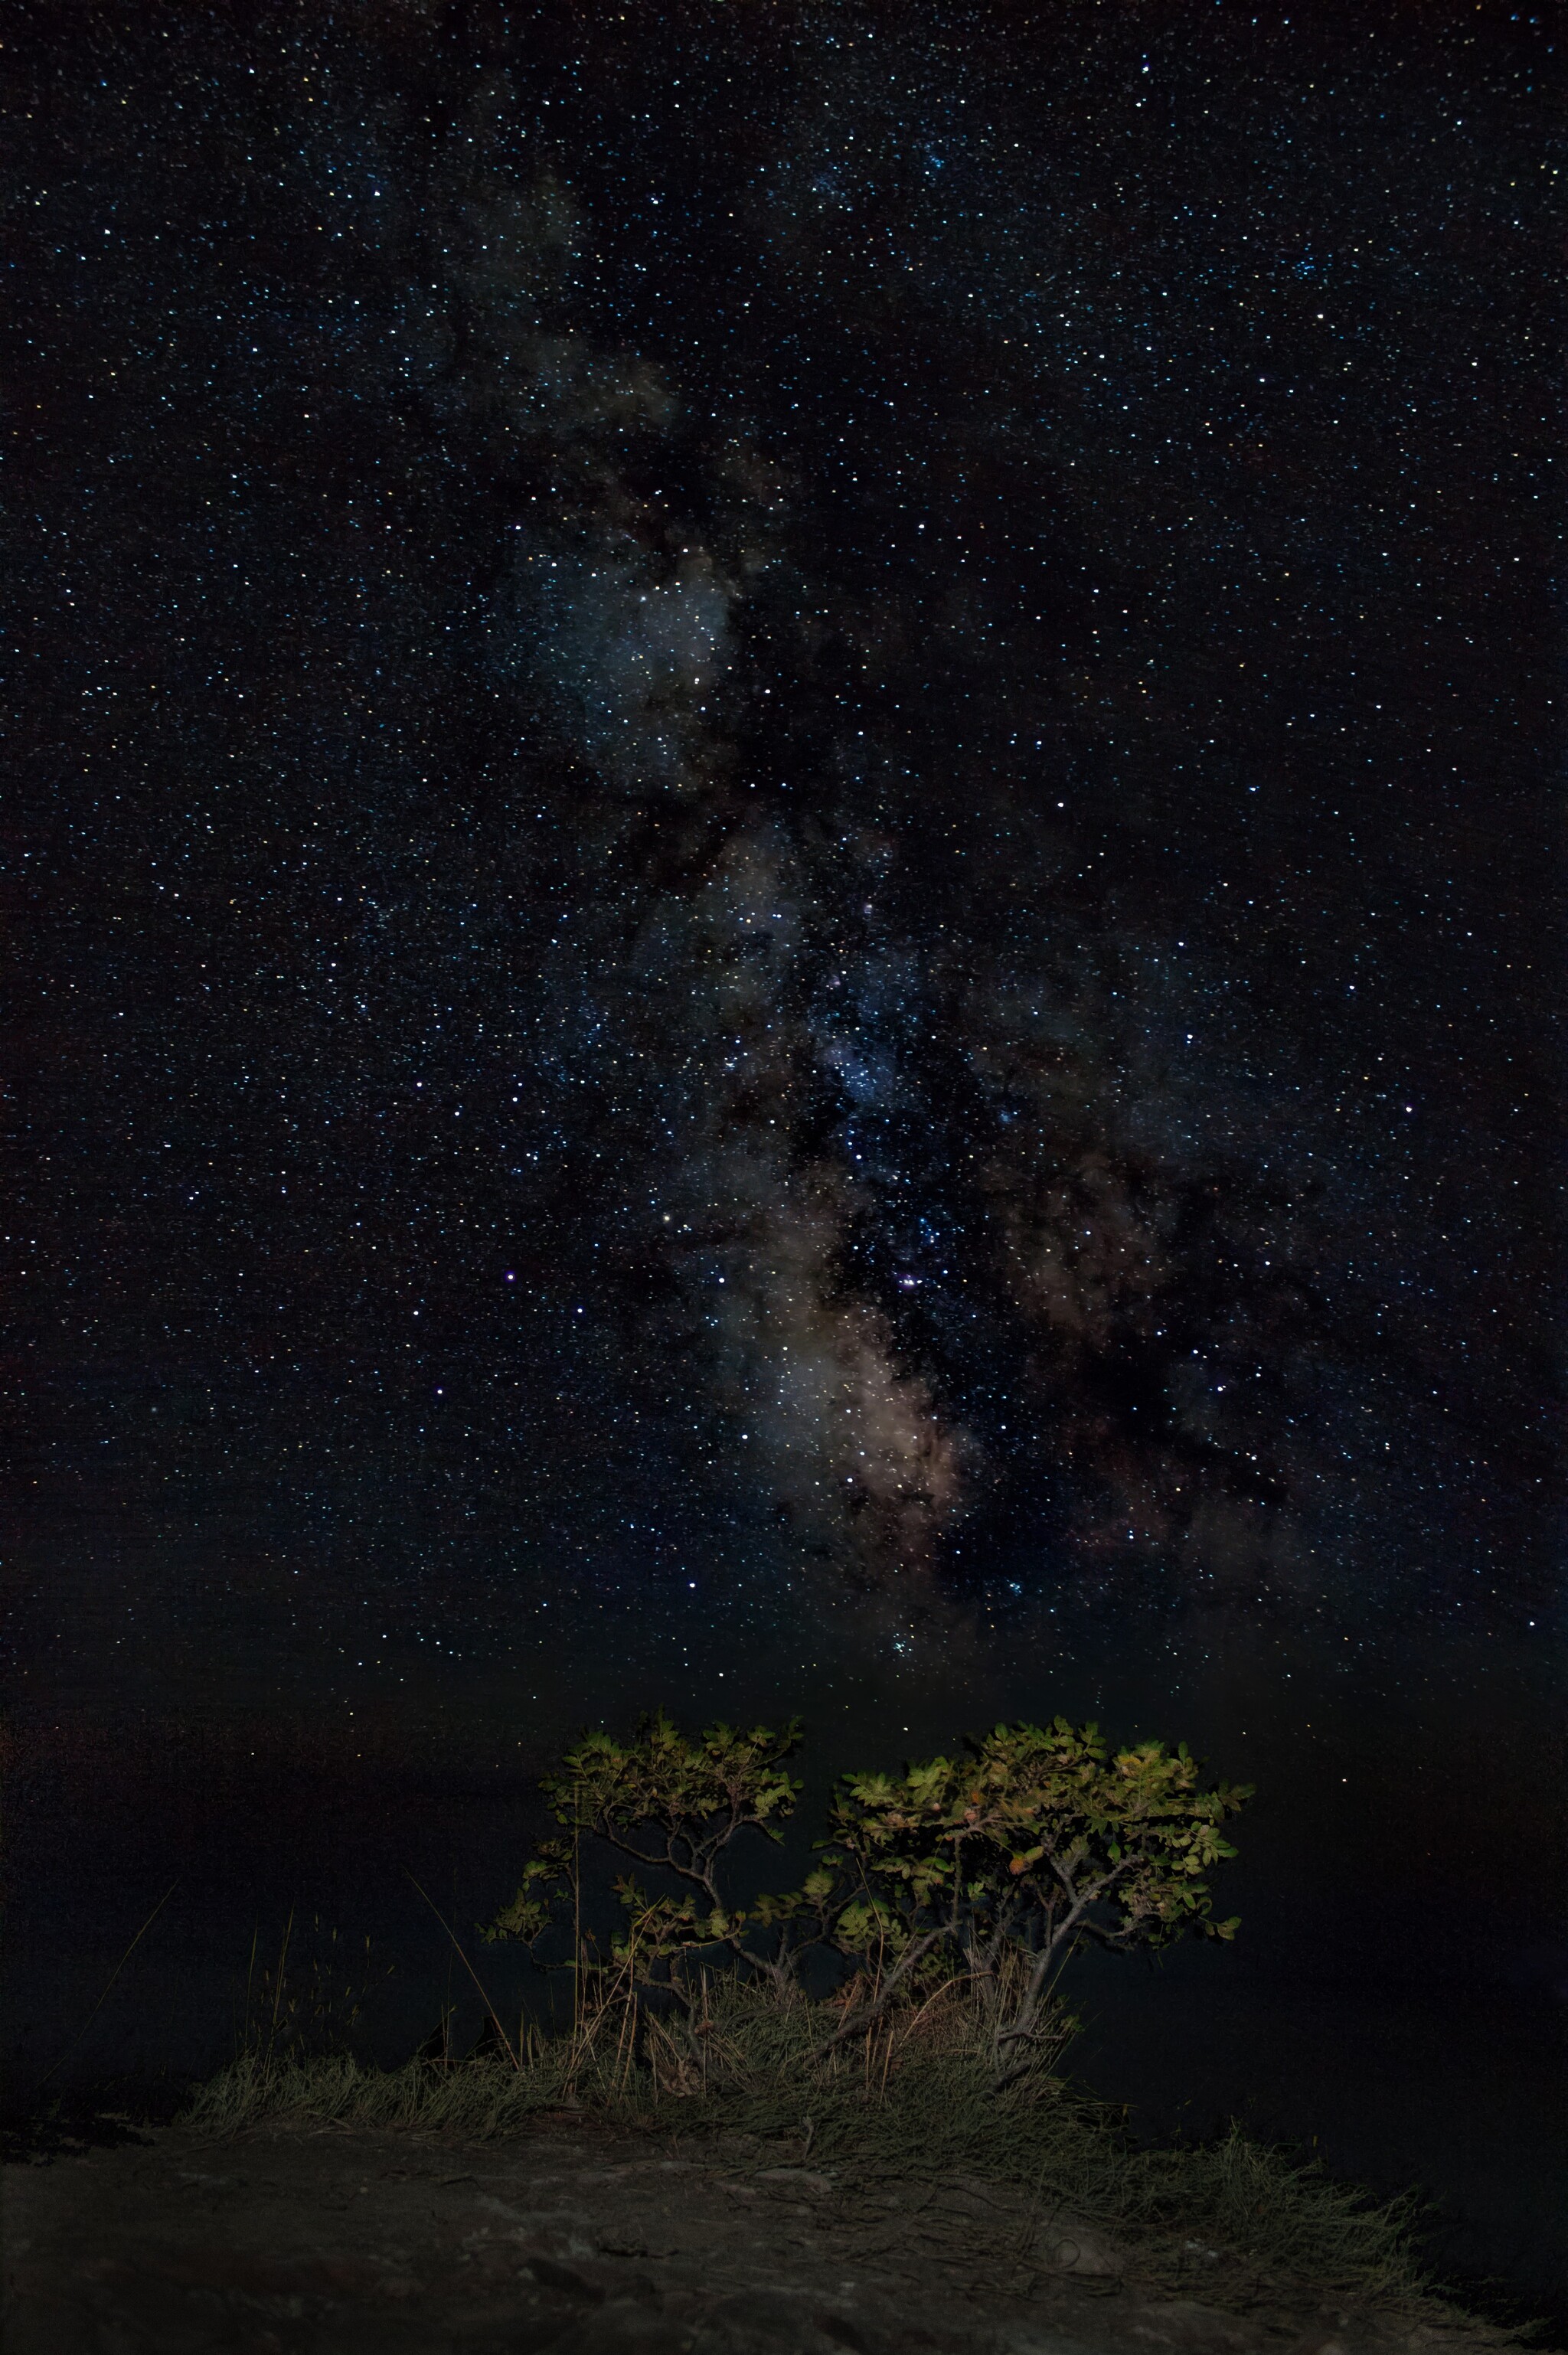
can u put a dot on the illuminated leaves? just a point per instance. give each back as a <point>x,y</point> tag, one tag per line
<point>992,1868</point>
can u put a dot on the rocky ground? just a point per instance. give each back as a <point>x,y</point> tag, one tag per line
<point>585,2243</point>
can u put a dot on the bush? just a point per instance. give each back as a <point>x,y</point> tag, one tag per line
<point>988,1872</point>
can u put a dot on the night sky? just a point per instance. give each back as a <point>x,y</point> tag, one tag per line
<point>784,882</point>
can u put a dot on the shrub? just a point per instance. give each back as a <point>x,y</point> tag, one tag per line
<point>1003,1863</point>
<point>668,1804</point>
<point>988,1869</point>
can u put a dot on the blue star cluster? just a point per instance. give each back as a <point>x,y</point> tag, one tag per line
<point>784,809</point>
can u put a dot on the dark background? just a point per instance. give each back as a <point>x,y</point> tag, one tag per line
<point>784,924</point>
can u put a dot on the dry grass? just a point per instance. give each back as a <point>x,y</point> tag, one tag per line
<point>910,2102</point>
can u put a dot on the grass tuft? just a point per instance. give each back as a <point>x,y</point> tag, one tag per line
<point>912,2101</point>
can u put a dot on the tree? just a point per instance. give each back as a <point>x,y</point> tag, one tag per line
<point>676,1806</point>
<point>990,1868</point>
<point>1007,1860</point>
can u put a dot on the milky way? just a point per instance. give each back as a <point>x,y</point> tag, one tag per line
<point>785,835</point>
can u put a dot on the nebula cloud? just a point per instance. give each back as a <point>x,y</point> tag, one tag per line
<point>843,1081</point>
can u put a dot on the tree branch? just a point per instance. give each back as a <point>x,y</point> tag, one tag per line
<point>915,1952</point>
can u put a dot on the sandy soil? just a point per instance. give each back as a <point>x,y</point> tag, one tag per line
<point>285,2243</point>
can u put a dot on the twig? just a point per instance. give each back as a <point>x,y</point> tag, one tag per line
<point>505,2039</point>
<point>278,1983</point>
<point>251,1976</point>
<point>945,1989</point>
<point>103,1999</point>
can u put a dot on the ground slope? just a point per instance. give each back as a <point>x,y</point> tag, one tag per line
<point>584,2241</point>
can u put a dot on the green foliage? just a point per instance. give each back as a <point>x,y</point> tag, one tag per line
<point>674,1804</point>
<point>1041,1837</point>
<point>991,1867</point>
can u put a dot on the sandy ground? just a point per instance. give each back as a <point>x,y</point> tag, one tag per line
<point>328,2242</point>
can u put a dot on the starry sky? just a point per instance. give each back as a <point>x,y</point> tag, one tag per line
<point>782,865</point>
<point>783,912</point>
